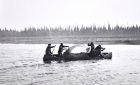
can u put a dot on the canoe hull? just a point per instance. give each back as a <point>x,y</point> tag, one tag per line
<point>50,57</point>
<point>107,55</point>
<point>85,56</point>
<point>77,56</point>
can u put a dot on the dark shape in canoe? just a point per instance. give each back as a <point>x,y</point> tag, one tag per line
<point>50,57</point>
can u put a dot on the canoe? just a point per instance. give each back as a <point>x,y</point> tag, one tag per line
<point>85,56</point>
<point>107,55</point>
<point>77,56</point>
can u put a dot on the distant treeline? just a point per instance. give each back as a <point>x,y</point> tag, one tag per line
<point>83,30</point>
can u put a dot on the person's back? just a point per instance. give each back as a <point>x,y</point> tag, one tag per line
<point>48,50</point>
<point>60,49</point>
<point>98,48</point>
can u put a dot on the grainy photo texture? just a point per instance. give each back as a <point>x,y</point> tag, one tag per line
<point>69,42</point>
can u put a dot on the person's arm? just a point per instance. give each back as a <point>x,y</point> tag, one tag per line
<point>65,46</point>
<point>89,44</point>
<point>102,48</point>
<point>52,46</point>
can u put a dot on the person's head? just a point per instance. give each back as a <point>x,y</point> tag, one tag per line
<point>99,45</point>
<point>49,44</point>
<point>92,43</point>
<point>61,43</point>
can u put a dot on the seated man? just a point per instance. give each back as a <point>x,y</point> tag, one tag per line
<point>48,49</point>
<point>98,50</point>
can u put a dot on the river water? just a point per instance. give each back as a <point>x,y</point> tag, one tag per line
<point>21,64</point>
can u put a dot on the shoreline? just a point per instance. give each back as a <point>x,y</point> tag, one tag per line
<point>71,40</point>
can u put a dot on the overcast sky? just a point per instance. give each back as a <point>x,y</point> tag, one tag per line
<point>18,14</point>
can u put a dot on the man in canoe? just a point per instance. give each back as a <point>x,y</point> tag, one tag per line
<point>61,48</point>
<point>98,50</point>
<point>92,51</point>
<point>48,49</point>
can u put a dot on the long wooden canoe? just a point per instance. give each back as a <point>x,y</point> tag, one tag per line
<point>77,56</point>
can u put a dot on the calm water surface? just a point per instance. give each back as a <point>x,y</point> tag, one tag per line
<point>21,64</point>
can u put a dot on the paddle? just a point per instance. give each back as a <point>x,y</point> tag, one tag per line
<point>103,49</point>
<point>53,50</point>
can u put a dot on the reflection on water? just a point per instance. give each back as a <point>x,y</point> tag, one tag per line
<point>22,64</point>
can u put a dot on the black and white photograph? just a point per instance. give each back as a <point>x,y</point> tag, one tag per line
<point>69,42</point>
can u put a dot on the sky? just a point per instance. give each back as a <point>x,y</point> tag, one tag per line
<point>18,14</point>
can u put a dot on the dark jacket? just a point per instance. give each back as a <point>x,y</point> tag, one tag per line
<point>99,48</point>
<point>61,48</point>
<point>48,49</point>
